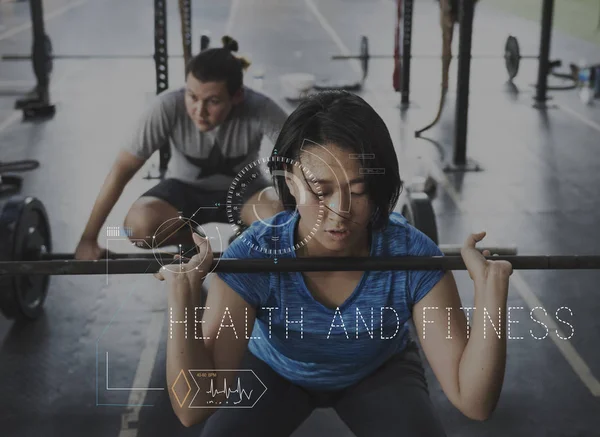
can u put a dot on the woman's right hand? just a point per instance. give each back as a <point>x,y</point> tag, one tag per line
<point>89,250</point>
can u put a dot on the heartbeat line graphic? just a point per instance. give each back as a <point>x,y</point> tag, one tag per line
<point>231,395</point>
<point>227,392</point>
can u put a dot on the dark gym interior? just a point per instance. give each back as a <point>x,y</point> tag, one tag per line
<point>518,157</point>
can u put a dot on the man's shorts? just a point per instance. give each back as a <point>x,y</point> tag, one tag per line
<point>198,204</point>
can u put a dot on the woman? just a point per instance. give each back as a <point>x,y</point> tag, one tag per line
<point>338,339</point>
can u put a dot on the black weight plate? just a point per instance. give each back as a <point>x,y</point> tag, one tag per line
<point>512,56</point>
<point>364,55</point>
<point>10,185</point>
<point>25,235</point>
<point>39,111</point>
<point>418,211</point>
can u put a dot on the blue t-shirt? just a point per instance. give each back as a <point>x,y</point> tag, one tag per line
<point>310,344</point>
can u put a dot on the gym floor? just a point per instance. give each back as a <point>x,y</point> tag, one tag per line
<point>78,370</point>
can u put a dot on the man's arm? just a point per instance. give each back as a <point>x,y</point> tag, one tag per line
<point>124,168</point>
<point>152,132</point>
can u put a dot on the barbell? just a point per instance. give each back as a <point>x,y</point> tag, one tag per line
<point>512,56</point>
<point>27,261</point>
<point>132,265</point>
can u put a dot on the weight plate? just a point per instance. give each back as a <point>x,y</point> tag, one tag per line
<point>512,56</point>
<point>25,233</point>
<point>10,185</point>
<point>364,55</point>
<point>418,211</point>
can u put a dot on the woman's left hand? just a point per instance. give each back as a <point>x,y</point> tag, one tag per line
<point>482,270</point>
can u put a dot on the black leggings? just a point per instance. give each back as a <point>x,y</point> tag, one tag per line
<point>393,401</point>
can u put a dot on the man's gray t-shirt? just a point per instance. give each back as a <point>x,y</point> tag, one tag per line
<point>207,160</point>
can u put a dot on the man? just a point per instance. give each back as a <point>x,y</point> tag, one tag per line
<point>214,126</point>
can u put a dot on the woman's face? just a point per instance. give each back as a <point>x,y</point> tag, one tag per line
<point>346,208</point>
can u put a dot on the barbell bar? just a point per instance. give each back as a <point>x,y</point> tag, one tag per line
<point>57,264</point>
<point>512,56</point>
<point>447,250</point>
<point>313,264</point>
<point>27,260</point>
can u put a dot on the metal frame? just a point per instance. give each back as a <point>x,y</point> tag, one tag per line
<point>544,61</point>
<point>464,64</point>
<point>406,49</point>
<point>187,29</point>
<point>161,64</point>
<point>467,10</point>
<point>161,58</point>
<point>40,56</point>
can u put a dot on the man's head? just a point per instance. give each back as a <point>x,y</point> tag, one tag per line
<point>214,85</point>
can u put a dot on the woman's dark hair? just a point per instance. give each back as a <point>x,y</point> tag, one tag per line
<point>346,120</point>
<point>219,64</point>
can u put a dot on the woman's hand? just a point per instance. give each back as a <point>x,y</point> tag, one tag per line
<point>481,270</point>
<point>190,275</point>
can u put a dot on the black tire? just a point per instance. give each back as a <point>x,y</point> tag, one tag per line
<point>25,233</point>
<point>418,211</point>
